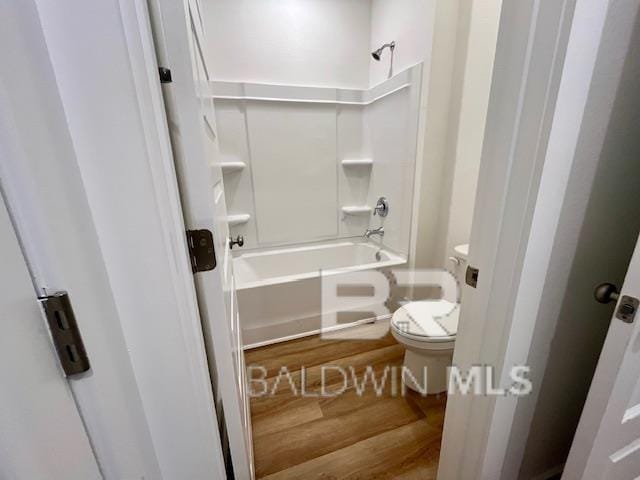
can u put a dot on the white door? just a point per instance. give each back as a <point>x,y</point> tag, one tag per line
<point>607,442</point>
<point>41,433</point>
<point>181,44</point>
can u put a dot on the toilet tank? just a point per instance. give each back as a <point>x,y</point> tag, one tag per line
<point>458,262</point>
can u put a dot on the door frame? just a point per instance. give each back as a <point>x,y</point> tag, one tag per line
<point>546,56</point>
<point>99,185</point>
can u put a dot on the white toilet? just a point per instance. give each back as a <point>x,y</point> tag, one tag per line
<point>427,329</point>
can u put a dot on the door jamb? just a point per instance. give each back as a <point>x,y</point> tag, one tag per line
<point>532,129</point>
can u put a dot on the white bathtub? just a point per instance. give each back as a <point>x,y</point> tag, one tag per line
<point>279,290</point>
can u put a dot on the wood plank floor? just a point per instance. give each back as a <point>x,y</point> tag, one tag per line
<point>349,430</point>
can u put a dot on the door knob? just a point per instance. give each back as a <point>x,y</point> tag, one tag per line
<point>239,240</point>
<point>606,293</point>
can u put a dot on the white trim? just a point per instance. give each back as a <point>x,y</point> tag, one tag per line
<point>321,95</point>
<point>312,100</point>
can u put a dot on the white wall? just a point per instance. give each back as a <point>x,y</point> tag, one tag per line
<point>478,70</point>
<point>293,42</point>
<point>440,100</point>
<point>408,23</point>
<point>456,98</point>
<point>315,42</point>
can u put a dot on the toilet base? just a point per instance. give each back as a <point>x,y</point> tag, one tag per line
<point>434,362</point>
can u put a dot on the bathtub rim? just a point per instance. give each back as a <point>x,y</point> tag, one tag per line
<point>394,259</point>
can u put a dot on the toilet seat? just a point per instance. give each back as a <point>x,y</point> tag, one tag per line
<point>428,321</point>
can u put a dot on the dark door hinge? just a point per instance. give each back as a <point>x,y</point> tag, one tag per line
<point>165,75</point>
<point>201,250</point>
<point>65,333</point>
<point>471,277</point>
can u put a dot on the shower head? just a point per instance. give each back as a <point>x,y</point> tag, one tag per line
<point>376,54</point>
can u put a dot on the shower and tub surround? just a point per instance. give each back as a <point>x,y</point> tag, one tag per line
<point>279,289</point>
<point>319,167</point>
<point>306,164</point>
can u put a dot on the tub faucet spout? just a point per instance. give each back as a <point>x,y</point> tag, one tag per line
<point>375,231</point>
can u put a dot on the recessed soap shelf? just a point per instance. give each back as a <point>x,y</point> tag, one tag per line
<point>356,210</point>
<point>232,166</point>
<point>238,219</point>
<point>357,162</point>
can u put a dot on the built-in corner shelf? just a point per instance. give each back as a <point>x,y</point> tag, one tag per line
<point>238,219</point>
<point>357,162</point>
<point>356,210</point>
<point>232,166</point>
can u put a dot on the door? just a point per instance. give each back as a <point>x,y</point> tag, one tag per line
<point>46,193</point>
<point>181,45</point>
<point>41,435</point>
<point>607,442</point>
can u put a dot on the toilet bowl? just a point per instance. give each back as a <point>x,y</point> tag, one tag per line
<point>427,329</point>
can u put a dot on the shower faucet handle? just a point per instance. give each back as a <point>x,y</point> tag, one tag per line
<point>382,207</point>
<point>239,240</point>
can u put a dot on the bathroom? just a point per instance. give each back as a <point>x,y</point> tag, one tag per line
<point>349,138</point>
<point>236,233</point>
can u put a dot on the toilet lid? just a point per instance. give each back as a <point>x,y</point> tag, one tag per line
<point>428,319</point>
